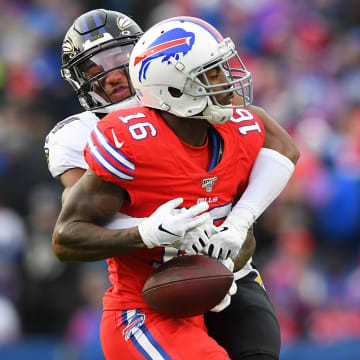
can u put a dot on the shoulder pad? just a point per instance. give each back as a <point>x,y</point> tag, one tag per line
<point>65,143</point>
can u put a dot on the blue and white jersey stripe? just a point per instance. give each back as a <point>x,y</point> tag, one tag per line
<point>106,164</point>
<point>221,211</point>
<point>114,153</point>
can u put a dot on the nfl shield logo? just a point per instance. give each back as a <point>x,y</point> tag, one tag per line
<point>209,183</point>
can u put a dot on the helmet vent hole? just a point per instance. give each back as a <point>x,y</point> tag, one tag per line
<point>174,92</point>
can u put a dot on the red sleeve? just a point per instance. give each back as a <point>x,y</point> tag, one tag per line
<point>248,123</point>
<point>108,152</point>
<point>246,135</point>
<point>251,130</point>
<point>248,130</point>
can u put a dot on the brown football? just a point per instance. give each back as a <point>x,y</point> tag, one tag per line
<point>187,285</point>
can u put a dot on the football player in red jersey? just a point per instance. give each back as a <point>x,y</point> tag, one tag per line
<point>206,152</point>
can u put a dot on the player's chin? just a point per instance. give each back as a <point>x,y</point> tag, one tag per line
<point>225,100</point>
<point>120,95</point>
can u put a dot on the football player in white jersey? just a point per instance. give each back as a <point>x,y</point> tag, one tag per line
<point>96,52</point>
<point>95,56</point>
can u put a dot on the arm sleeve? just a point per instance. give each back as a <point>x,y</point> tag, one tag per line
<point>268,177</point>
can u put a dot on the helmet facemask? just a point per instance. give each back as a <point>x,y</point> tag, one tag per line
<point>88,75</point>
<point>97,48</point>
<point>236,79</point>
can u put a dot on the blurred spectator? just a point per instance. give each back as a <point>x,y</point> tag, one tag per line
<point>12,242</point>
<point>45,302</point>
<point>12,235</point>
<point>10,325</point>
<point>82,336</point>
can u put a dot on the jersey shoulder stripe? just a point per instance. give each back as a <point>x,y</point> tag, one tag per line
<point>104,163</point>
<point>115,154</point>
<point>109,158</point>
<point>64,122</point>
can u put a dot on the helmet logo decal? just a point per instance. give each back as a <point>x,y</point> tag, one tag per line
<point>206,26</point>
<point>67,46</point>
<point>168,45</point>
<point>123,23</point>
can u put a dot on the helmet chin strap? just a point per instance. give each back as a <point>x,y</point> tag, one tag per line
<point>216,114</point>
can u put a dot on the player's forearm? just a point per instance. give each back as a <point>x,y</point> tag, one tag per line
<point>68,179</point>
<point>80,241</point>
<point>246,252</point>
<point>78,235</point>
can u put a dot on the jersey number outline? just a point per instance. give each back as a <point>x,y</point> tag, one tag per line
<point>245,115</point>
<point>140,130</point>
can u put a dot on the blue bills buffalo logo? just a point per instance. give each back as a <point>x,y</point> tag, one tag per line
<point>171,44</point>
<point>135,320</point>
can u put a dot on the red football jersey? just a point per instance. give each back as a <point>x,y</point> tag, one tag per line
<point>137,150</point>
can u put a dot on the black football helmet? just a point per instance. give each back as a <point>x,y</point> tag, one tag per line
<point>97,46</point>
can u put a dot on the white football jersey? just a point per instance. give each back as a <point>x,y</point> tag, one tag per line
<point>65,143</point>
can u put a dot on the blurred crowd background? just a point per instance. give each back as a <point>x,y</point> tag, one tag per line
<point>305,60</point>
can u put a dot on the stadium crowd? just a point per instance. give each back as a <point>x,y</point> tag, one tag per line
<point>305,60</point>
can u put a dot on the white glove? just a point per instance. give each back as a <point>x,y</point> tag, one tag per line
<point>195,240</point>
<point>168,225</point>
<point>230,238</point>
<point>225,302</point>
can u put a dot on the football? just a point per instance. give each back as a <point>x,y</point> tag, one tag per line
<point>187,285</point>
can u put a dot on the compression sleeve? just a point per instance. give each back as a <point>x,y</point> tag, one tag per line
<point>268,177</point>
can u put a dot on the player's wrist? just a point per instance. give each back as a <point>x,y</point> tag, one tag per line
<point>229,263</point>
<point>240,222</point>
<point>147,234</point>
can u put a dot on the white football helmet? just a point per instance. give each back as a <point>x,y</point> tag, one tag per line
<point>168,69</point>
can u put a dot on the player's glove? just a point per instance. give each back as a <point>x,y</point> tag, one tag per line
<point>195,240</point>
<point>230,238</point>
<point>168,225</point>
<point>225,302</point>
